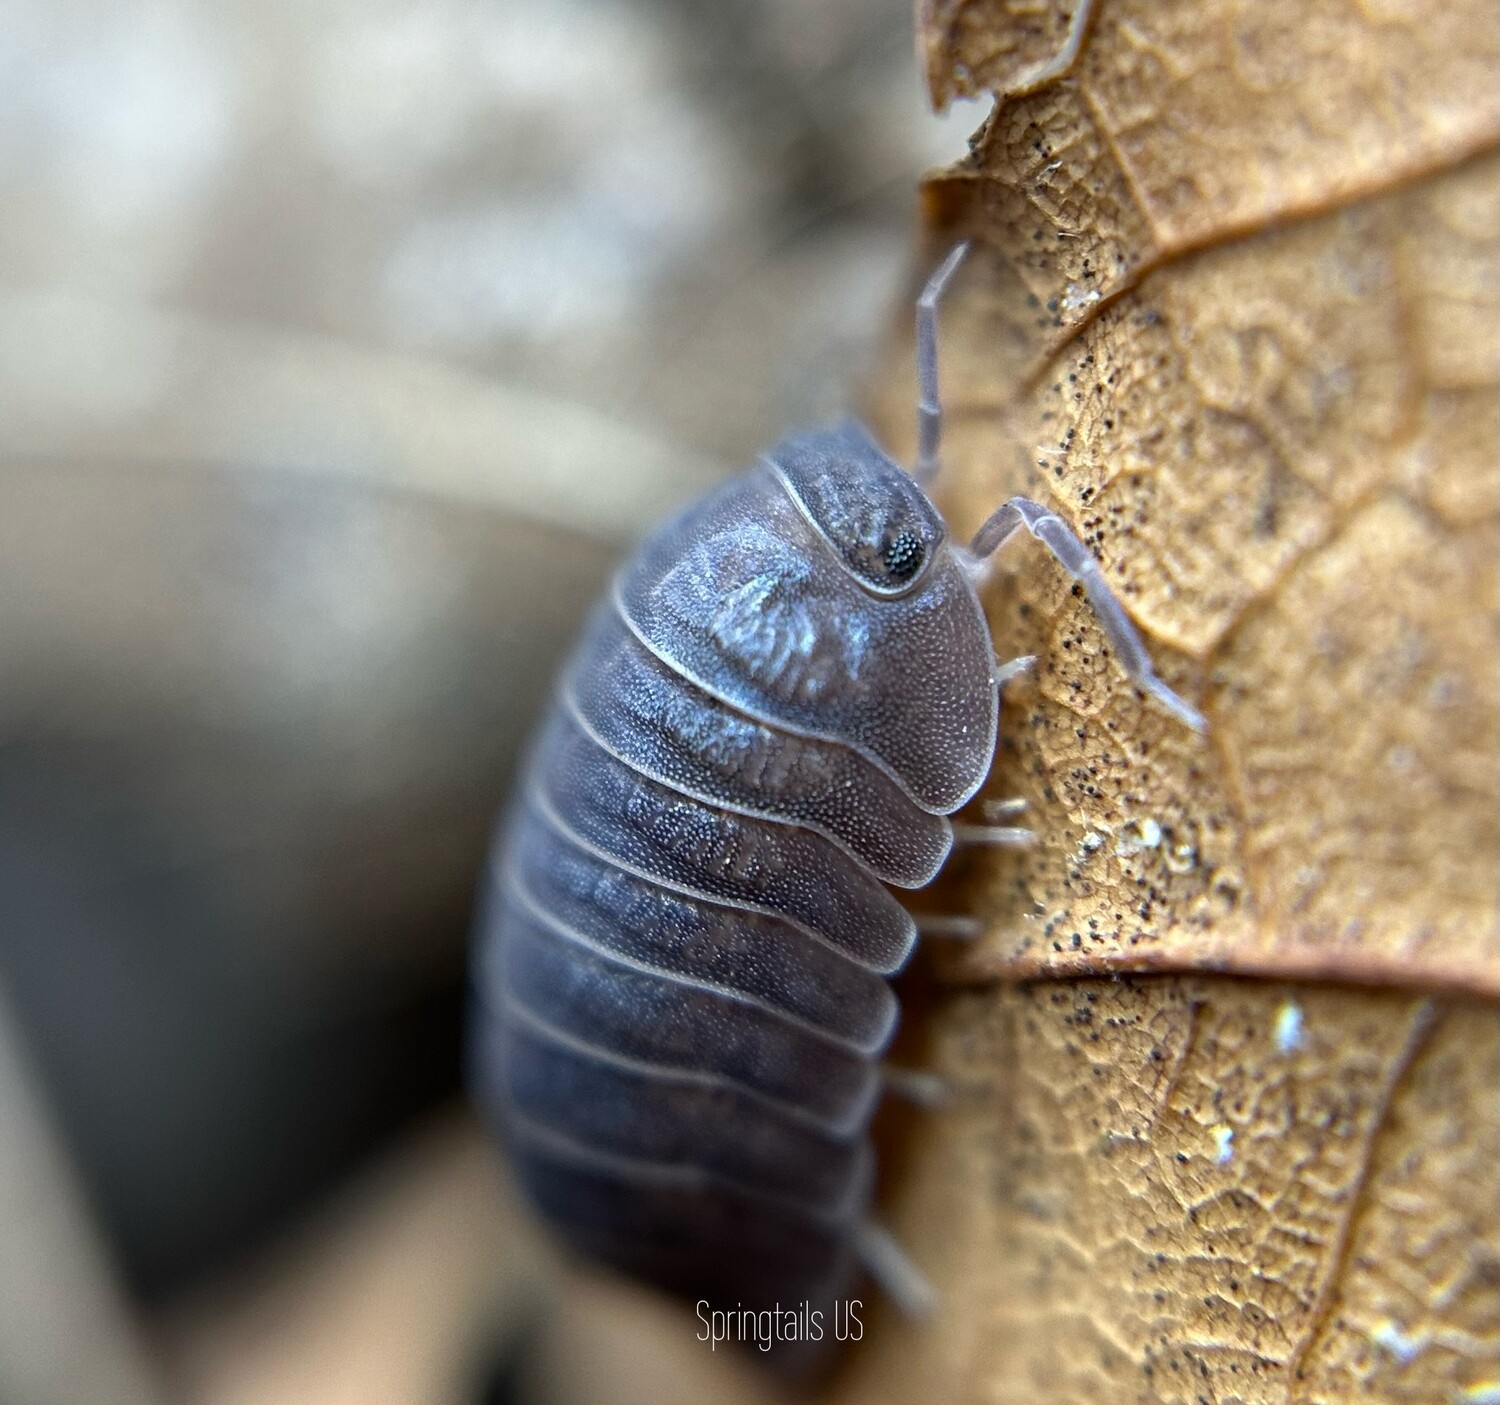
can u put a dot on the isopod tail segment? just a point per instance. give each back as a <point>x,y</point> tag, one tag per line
<point>1046,526</point>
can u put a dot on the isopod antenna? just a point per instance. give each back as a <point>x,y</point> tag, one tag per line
<point>929,406</point>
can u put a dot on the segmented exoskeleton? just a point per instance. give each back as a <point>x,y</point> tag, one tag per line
<point>684,951</point>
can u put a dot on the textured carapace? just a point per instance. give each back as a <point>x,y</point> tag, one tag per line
<point>684,944</point>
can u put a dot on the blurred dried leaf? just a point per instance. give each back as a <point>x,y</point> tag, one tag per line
<point>400,1289</point>
<point>1233,308</point>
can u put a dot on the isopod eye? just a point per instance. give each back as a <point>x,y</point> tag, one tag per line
<point>872,514</point>
<point>903,555</point>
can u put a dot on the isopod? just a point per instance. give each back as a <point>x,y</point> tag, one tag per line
<point>686,938</point>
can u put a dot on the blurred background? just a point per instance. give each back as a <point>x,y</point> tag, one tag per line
<point>343,347</point>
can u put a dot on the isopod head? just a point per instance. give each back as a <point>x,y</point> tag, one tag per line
<point>818,593</point>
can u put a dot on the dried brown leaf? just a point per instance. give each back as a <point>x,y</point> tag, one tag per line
<point>1195,1189</point>
<point>1233,310</point>
<point>1239,321</point>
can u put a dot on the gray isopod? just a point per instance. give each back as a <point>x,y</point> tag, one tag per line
<point>686,937</point>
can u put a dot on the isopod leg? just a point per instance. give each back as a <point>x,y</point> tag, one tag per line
<point>1075,558</point>
<point>888,1264</point>
<point>1000,836</point>
<point>929,405</point>
<point>1012,668</point>
<point>942,925</point>
<point>913,1085</point>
